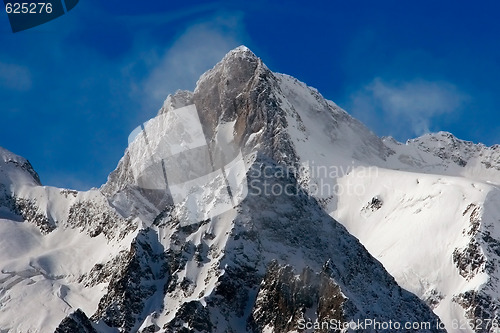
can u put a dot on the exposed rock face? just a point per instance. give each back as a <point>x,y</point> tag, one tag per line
<point>96,219</point>
<point>481,256</point>
<point>191,317</point>
<point>242,88</point>
<point>76,322</point>
<point>284,299</point>
<point>29,211</point>
<point>133,285</point>
<point>375,204</point>
<point>480,309</point>
<point>469,261</point>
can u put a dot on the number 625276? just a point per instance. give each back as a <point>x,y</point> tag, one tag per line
<point>28,8</point>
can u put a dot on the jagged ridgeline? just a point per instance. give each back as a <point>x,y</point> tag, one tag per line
<point>123,259</point>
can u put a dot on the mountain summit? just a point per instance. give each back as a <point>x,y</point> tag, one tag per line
<point>299,182</point>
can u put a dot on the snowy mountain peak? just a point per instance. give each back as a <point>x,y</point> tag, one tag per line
<point>441,138</point>
<point>239,63</point>
<point>6,155</point>
<point>241,50</point>
<point>16,170</point>
<point>269,113</point>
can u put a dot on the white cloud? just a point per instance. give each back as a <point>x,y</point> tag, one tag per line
<point>198,49</point>
<point>407,108</point>
<point>15,77</point>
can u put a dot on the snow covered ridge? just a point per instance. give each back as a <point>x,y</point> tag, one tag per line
<point>16,170</point>
<point>443,153</point>
<point>123,258</point>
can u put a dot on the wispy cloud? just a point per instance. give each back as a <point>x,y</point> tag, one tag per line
<point>163,17</point>
<point>196,50</point>
<point>15,77</point>
<point>406,108</point>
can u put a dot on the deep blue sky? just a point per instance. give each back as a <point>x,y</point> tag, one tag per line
<point>72,90</point>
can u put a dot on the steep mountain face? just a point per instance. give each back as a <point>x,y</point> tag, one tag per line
<point>123,258</point>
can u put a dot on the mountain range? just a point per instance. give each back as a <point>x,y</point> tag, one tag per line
<point>334,230</point>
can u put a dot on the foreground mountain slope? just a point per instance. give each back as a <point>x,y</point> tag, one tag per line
<point>225,270</point>
<point>231,273</point>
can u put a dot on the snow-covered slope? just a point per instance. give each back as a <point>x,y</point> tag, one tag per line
<point>438,235</point>
<point>50,238</point>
